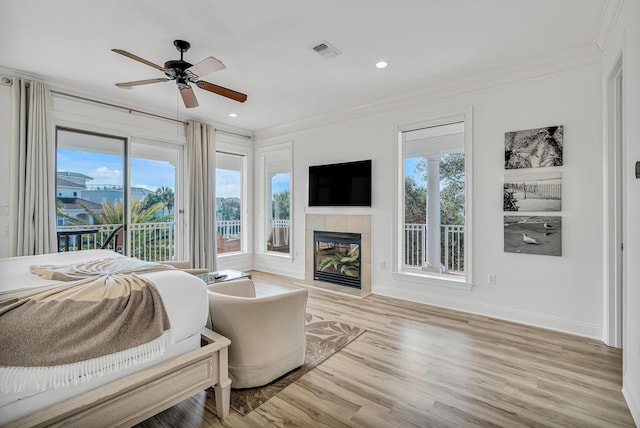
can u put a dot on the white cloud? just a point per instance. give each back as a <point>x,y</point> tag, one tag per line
<point>104,175</point>
<point>227,184</point>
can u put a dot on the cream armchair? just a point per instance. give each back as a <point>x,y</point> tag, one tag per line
<point>184,265</point>
<point>266,326</point>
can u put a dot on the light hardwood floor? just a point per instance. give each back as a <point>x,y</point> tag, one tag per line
<point>418,365</point>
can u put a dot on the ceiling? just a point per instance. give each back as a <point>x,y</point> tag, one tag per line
<point>267,48</point>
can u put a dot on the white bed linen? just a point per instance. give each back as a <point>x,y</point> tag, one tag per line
<point>184,297</point>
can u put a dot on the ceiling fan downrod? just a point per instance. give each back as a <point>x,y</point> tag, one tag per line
<point>175,69</point>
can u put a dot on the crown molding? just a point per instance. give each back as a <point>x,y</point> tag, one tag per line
<point>67,88</point>
<point>578,57</point>
<point>608,18</point>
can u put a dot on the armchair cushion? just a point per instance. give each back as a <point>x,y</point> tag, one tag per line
<point>185,266</point>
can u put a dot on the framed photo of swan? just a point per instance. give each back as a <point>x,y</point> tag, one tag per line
<point>533,148</point>
<point>533,235</point>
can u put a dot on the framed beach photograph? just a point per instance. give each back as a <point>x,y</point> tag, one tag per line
<point>533,235</point>
<point>530,192</point>
<point>533,148</point>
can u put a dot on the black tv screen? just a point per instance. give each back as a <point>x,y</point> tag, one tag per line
<point>340,185</point>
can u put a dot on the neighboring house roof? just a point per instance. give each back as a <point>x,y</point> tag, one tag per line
<point>73,174</point>
<point>67,183</point>
<point>72,204</point>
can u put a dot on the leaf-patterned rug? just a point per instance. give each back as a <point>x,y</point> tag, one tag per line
<point>324,338</point>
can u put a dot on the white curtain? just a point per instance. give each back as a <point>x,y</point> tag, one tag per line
<point>32,178</point>
<point>201,156</point>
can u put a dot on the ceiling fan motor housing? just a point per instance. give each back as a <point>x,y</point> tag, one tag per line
<point>176,69</point>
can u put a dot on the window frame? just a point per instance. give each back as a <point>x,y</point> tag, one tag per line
<point>264,203</point>
<point>135,144</point>
<point>130,145</point>
<point>465,115</point>
<point>231,146</point>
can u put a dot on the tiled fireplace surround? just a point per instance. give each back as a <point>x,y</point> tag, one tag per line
<point>339,223</point>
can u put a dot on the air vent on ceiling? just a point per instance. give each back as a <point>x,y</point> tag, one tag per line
<point>326,50</point>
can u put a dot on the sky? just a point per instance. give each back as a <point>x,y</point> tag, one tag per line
<point>148,174</point>
<point>410,170</point>
<point>280,182</point>
<point>107,169</point>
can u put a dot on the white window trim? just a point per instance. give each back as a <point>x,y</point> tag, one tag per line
<point>261,200</point>
<point>227,144</point>
<point>464,114</point>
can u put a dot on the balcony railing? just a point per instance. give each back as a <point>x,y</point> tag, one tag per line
<point>156,241</point>
<point>451,246</point>
<point>229,229</point>
<point>230,232</point>
<point>280,230</point>
<point>153,242</point>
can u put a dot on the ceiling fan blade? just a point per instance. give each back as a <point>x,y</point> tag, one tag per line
<point>141,82</point>
<point>206,66</point>
<point>137,58</point>
<point>189,97</point>
<point>220,90</point>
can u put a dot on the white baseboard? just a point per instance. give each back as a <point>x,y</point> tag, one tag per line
<point>633,402</point>
<point>500,312</point>
<point>277,265</point>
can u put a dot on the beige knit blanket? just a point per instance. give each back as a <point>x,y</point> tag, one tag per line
<point>100,319</point>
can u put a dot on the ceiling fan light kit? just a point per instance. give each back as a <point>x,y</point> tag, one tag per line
<point>184,73</point>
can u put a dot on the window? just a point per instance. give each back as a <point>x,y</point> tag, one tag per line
<point>106,182</point>
<point>433,231</point>
<point>89,180</point>
<point>155,192</point>
<point>275,168</point>
<point>229,202</point>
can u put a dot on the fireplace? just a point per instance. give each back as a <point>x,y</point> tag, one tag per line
<point>336,258</point>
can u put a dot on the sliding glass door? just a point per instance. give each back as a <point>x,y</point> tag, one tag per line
<point>90,191</point>
<point>116,194</point>
<point>155,229</point>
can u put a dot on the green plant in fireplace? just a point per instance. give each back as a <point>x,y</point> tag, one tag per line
<point>346,262</point>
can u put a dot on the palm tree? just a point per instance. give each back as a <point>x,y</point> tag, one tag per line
<point>113,213</point>
<point>166,196</point>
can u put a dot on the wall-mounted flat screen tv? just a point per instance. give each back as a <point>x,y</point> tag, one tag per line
<point>340,185</point>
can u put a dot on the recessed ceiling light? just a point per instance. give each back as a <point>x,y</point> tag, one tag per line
<point>233,114</point>
<point>381,64</point>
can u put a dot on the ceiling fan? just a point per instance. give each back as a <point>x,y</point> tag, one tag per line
<point>184,73</point>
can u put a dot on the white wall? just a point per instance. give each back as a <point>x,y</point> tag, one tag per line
<point>625,39</point>
<point>563,293</point>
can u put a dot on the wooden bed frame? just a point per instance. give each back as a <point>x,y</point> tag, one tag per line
<point>134,398</point>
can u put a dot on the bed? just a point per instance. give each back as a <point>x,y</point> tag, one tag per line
<point>193,360</point>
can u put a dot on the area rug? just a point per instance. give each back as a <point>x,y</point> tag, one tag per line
<point>324,338</point>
